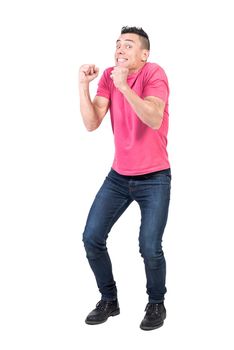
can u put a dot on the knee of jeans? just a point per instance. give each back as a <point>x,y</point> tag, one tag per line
<point>93,246</point>
<point>153,258</point>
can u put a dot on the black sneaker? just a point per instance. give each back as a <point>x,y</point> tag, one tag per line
<point>154,317</point>
<point>103,310</point>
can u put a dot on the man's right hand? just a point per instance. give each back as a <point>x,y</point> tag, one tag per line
<point>87,73</point>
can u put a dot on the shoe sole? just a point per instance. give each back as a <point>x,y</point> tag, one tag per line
<point>151,328</point>
<point>114,313</point>
<point>145,328</point>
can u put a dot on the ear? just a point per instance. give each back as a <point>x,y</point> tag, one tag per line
<point>144,55</point>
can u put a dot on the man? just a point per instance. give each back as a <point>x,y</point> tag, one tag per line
<point>136,93</point>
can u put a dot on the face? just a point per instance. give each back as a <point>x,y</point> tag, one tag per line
<point>129,52</point>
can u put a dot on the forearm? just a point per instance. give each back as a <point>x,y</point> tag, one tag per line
<point>89,115</point>
<point>147,111</point>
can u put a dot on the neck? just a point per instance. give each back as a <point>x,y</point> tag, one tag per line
<point>134,70</point>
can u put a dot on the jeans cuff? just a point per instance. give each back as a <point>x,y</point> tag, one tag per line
<point>156,301</point>
<point>109,298</point>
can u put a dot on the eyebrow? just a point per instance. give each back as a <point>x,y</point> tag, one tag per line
<point>125,40</point>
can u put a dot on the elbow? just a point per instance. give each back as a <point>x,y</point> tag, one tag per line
<point>155,119</point>
<point>91,127</point>
<point>156,126</point>
<point>157,123</point>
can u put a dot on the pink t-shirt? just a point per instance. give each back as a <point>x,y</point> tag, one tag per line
<point>138,148</point>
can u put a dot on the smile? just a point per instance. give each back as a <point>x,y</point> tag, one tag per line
<point>121,60</point>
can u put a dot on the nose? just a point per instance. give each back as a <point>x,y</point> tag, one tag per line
<point>120,50</point>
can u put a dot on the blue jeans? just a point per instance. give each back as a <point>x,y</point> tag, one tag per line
<point>152,193</point>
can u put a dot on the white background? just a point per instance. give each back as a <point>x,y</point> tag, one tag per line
<point>51,168</point>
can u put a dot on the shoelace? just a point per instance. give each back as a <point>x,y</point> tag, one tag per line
<point>101,305</point>
<point>152,308</point>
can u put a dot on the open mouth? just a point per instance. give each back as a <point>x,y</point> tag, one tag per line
<point>121,60</point>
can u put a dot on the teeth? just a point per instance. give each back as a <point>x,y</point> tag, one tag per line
<point>122,59</point>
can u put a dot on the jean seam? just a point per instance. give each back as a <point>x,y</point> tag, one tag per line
<point>116,215</point>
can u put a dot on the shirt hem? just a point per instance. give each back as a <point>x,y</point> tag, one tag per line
<point>140,172</point>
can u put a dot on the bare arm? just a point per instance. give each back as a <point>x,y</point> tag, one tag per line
<point>150,110</point>
<point>92,112</point>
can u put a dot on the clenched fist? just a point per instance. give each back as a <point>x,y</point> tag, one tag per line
<point>119,76</point>
<point>87,73</point>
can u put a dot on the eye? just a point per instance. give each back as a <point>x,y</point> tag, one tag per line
<point>128,46</point>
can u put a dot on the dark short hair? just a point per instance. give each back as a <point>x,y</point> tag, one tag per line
<point>139,31</point>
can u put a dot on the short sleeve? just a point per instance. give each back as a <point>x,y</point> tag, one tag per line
<point>156,84</point>
<point>104,85</point>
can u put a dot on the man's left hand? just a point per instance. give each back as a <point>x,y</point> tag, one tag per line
<point>119,76</point>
